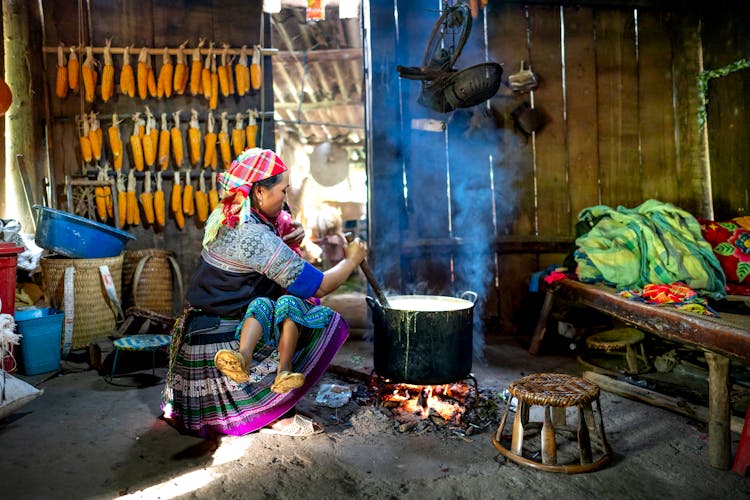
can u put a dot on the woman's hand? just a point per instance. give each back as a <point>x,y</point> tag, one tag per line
<point>356,251</point>
<point>296,236</point>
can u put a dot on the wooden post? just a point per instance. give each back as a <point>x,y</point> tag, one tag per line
<point>19,119</point>
<point>719,443</point>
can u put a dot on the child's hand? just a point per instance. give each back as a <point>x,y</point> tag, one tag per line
<point>296,236</point>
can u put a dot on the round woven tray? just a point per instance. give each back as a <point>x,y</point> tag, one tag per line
<point>94,315</point>
<point>147,277</point>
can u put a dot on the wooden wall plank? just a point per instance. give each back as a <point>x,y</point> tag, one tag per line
<point>617,97</point>
<point>581,105</point>
<point>553,197</point>
<point>656,112</point>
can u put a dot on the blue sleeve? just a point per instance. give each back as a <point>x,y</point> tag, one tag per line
<point>307,283</point>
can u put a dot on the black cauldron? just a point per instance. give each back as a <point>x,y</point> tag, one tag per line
<point>424,339</point>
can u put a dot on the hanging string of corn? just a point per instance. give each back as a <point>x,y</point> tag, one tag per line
<point>196,69</point>
<point>61,81</point>
<point>213,195</point>
<point>100,196</point>
<point>201,199</point>
<point>115,142</point>
<point>209,156</point>
<point>150,139</point>
<point>88,70</point>
<point>181,71</point>
<point>136,146</point>
<point>142,73</point>
<point>224,147</point>
<point>108,73</point>
<point>84,140</point>
<point>242,73</point>
<point>225,72</point>
<point>159,204</point>
<point>127,77</point>
<point>122,200</point>
<point>206,74</point>
<point>194,136</point>
<point>74,66</point>
<point>164,82</point>
<point>251,131</point>
<point>256,70</point>
<point>95,137</point>
<point>176,203</point>
<point>147,199</point>
<point>153,91</point>
<point>239,137</point>
<point>133,213</point>
<point>188,199</point>
<point>108,192</point>
<point>164,139</point>
<point>176,136</point>
<point>214,98</point>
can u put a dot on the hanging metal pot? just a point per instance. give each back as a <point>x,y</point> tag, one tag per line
<point>424,339</point>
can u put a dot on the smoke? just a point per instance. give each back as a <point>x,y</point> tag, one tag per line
<point>465,165</point>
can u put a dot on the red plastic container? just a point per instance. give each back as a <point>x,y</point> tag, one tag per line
<point>8,263</point>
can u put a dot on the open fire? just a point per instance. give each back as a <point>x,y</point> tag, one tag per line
<point>443,404</point>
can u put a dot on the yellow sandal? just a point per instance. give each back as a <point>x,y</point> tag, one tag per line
<point>231,364</point>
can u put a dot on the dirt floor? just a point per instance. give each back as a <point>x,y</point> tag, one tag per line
<point>85,438</point>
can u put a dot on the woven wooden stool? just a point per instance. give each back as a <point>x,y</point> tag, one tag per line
<point>554,393</point>
<point>622,339</point>
<point>142,342</point>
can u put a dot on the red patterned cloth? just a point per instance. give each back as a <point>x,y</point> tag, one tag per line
<point>730,241</point>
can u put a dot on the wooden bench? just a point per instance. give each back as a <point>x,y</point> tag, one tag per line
<point>721,338</point>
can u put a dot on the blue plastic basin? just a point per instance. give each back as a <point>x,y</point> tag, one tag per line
<point>77,237</point>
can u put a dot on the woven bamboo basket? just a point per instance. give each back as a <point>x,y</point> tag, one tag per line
<point>147,280</point>
<point>94,313</point>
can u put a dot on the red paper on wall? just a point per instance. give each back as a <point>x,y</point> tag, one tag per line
<point>316,10</point>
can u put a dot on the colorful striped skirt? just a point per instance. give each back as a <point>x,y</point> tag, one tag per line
<point>199,400</point>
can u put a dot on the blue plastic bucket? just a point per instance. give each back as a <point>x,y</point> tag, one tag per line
<point>77,237</point>
<point>41,336</point>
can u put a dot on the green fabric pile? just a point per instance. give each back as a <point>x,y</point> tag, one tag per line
<point>654,242</point>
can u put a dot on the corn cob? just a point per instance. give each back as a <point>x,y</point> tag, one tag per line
<point>147,199</point>
<point>153,91</point>
<point>108,192</point>
<point>164,82</point>
<point>256,71</point>
<point>188,200</point>
<point>251,131</point>
<point>159,205</point>
<point>181,72</point>
<point>176,204</point>
<point>164,138</point>
<point>133,214</point>
<point>100,197</point>
<point>142,73</point>
<point>74,66</point>
<point>201,200</point>
<point>213,195</point>
<point>127,78</point>
<point>136,146</point>
<point>89,75</point>
<point>209,155</point>
<point>239,138</point>
<point>115,142</point>
<point>196,68</point>
<point>176,136</point>
<point>194,138</point>
<point>61,83</point>
<point>122,200</point>
<point>242,73</point>
<point>148,141</point>
<point>206,74</point>
<point>223,73</point>
<point>214,98</point>
<point>85,141</point>
<point>108,73</point>
<point>95,136</point>
<point>224,147</point>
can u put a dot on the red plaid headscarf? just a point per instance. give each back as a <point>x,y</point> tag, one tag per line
<point>251,166</point>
